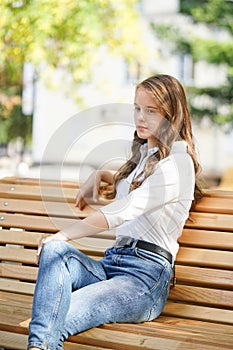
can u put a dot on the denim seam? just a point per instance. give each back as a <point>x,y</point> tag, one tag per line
<point>88,268</point>
<point>158,299</point>
<point>56,306</point>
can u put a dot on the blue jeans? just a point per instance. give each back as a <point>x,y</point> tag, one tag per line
<point>75,293</point>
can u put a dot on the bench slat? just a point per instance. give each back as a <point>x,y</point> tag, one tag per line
<point>44,193</point>
<point>39,182</point>
<point>207,239</point>
<point>185,274</point>
<point>129,341</point>
<point>215,205</point>
<point>38,223</point>
<point>19,342</point>
<point>189,256</point>
<point>202,296</point>
<point>183,324</point>
<point>209,203</point>
<point>49,208</point>
<point>18,254</point>
<point>209,221</point>
<point>37,192</point>
<point>197,312</point>
<point>19,237</point>
<point>171,331</point>
<point>15,286</point>
<point>26,273</point>
<point>205,257</point>
<point>215,222</point>
<point>208,277</point>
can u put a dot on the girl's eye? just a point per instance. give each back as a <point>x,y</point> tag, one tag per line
<point>137,109</point>
<point>151,111</point>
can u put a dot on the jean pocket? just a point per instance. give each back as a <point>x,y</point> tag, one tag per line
<point>160,298</point>
<point>152,258</point>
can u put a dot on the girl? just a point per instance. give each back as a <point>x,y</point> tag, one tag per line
<point>153,193</point>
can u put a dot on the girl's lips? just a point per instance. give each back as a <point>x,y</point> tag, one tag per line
<point>140,127</point>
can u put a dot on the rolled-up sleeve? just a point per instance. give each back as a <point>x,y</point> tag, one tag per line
<point>160,188</point>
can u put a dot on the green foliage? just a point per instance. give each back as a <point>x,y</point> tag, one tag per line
<point>217,102</point>
<point>64,33</point>
<point>19,125</point>
<point>212,51</point>
<point>214,12</point>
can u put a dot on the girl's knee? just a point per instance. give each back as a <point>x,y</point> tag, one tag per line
<point>54,249</point>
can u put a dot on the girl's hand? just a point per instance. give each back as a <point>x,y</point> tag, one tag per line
<point>56,237</point>
<point>90,188</point>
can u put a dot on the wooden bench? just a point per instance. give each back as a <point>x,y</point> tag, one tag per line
<point>199,312</point>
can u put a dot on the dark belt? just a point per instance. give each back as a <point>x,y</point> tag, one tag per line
<point>151,247</point>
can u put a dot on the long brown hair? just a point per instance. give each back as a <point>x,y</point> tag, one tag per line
<point>170,99</point>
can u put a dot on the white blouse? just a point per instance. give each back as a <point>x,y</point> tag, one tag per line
<point>157,210</point>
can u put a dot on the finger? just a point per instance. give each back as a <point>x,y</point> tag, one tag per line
<point>82,204</point>
<point>77,199</point>
<point>42,242</point>
<point>96,193</point>
<point>38,253</point>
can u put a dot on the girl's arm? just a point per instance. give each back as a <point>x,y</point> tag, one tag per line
<point>92,186</point>
<point>91,225</point>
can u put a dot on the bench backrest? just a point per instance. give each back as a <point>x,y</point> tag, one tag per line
<point>30,209</point>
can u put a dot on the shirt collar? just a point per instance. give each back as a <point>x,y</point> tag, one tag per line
<point>147,152</point>
<point>177,147</point>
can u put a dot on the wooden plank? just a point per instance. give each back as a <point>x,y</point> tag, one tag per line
<point>215,222</point>
<point>202,296</point>
<point>218,193</point>
<point>18,237</point>
<point>49,208</point>
<point>10,285</point>
<point>207,239</point>
<point>132,341</point>
<point>187,256</point>
<point>206,333</point>
<point>46,193</point>
<point>38,223</point>
<point>39,182</point>
<point>196,326</point>
<point>18,254</point>
<point>212,204</point>
<point>209,277</point>
<point>15,341</point>
<point>26,273</point>
<point>205,258</point>
<point>37,192</point>
<point>15,300</point>
<point>90,245</point>
<point>196,312</point>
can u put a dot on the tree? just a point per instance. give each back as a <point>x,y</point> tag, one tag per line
<point>217,15</point>
<point>63,33</point>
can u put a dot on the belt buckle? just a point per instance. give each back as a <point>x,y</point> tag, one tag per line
<point>123,242</point>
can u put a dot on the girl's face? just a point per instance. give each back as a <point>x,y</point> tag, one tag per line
<point>146,116</point>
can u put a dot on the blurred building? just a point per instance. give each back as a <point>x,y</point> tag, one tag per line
<point>66,132</point>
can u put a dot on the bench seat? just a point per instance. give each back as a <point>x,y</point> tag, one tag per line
<point>199,311</point>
